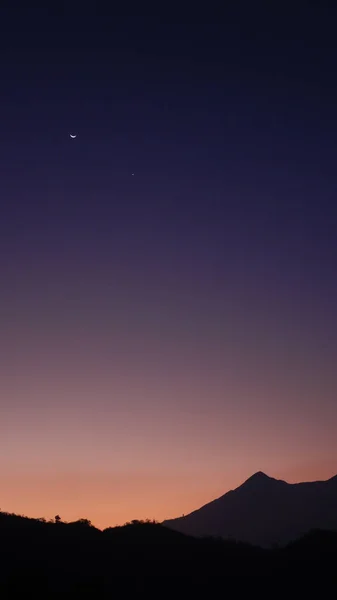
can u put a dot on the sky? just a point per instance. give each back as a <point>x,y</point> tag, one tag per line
<point>168,277</point>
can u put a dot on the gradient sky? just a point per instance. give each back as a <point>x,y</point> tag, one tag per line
<point>166,334</point>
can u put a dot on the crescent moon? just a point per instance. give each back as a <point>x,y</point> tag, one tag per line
<point>72,136</point>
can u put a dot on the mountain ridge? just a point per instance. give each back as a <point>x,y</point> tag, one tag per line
<point>264,511</point>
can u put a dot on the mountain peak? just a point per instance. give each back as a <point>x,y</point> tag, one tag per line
<point>259,476</point>
<point>258,481</point>
<point>264,511</point>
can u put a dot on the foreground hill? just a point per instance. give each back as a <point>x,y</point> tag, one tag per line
<point>265,511</point>
<point>41,559</point>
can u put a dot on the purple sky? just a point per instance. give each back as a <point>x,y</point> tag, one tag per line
<point>164,335</point>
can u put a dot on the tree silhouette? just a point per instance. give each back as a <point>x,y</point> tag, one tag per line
<point>85,522</point>
<point>57,519</point>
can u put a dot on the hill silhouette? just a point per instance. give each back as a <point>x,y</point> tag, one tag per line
<point>48,558</point>
<point>265,511</point>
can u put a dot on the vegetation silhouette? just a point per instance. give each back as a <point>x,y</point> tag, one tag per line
<point>56,557</point>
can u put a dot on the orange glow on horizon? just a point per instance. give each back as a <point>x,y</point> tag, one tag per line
<point>109,501</point>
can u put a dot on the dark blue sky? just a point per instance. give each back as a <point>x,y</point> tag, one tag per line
<point>242,112</point>
<point>202,285</point>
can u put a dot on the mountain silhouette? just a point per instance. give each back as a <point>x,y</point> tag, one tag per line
<point>265,511</point>
<point>42,558</point>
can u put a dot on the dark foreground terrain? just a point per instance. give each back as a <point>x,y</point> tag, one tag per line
<point>55,559</point>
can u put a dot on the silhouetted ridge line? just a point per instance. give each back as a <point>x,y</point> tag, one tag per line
<point>264,511</point>
<point>39,556</point>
